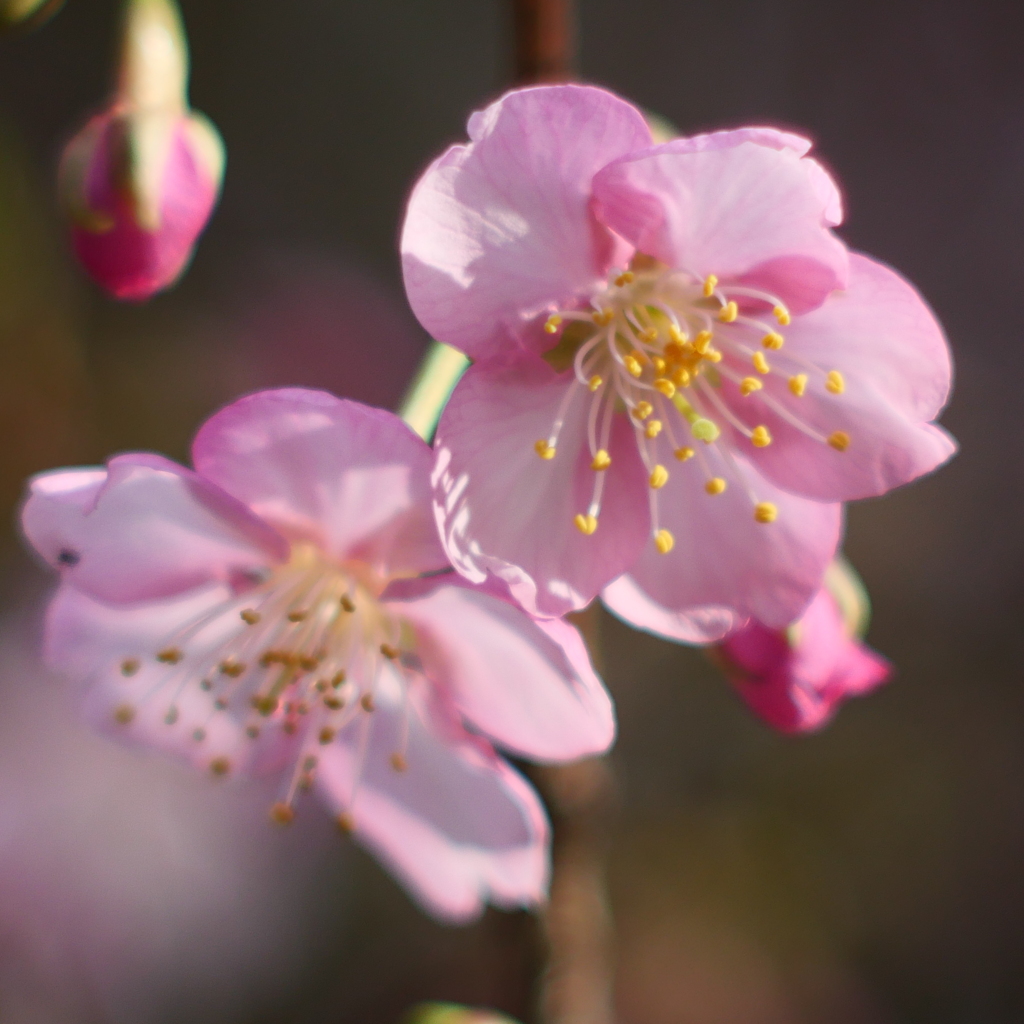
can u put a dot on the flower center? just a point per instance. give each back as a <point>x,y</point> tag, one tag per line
<point>657,345</point>
<point>306,650</point>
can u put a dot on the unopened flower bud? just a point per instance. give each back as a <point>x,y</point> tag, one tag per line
<point>25,14</point>
<point>140,180</point>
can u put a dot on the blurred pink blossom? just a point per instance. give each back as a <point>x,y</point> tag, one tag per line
<point>288,606</point>
<point>680,370</point>
<point>796,678</point>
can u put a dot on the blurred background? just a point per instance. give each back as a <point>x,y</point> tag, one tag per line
<point>871,874</point>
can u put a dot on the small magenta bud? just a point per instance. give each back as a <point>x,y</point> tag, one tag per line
<point>25,14</point>
<point>140,180</point>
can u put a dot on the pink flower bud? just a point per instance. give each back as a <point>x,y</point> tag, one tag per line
<point>140,180</point>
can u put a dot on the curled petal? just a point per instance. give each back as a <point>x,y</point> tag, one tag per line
<point>500,230</point>
<point>353,479</point>
<point>527,684</point>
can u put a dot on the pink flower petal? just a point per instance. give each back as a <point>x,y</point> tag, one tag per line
<point>351,478</point>
<point>500,230</point>
<point>724,204</point>
<point>796,679</point>
<point>895,364</point>
<point>723,558</point>
<point>148,528</point>
<point>507,513</point>
<point>458,826</point>
<point>526,684</point>
<point>92,642</point>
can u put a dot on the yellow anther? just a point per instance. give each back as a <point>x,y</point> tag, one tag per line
<point>659,477</point>
<point>642,410</point>
<point>773,340</point>
<point>170,656</point>
<point>760,438</point>
<point>297,615</point>
<point>782,315</point>
<point>834,382</point>
<point>624,278</point>
<point>798,384</point>
<point>684,454</point>
<point>232,668</point>
<point>710,284</point>
<point>665,386</point>
<point>130,666</point>
<point>552,323</point>
<point>640,356</point>
<point>367,702</point>
<point>595,382</point>
<point>715,485</point>
<point>602,460</point>
<point>760,363</point>
<point>347,603</point>
<point>674,351</point>
<point>220,766</point>
<point>346,823</point>
<point>765,512</point>
<point>653,429</point>
<point>705,430</point>
<point>677,334</point>
<point>282,814</point>
<point>123,714</point>
<point>326,735</point>
<point>681,376</point>
<point>603,317</point>
<point>749,385</point>
<point>650,335</point>
<point>664,542</point>
<point>586,524</point>
<point>250,616</point>
<point>389,652</point>
<point>702,342</point>
<point>840,440</point>
<point>633,366</point>
<point>728,313</point>
<point>398,762</point>
<point>543,449</point>
<point>713,355</point>
<point>659,365</point>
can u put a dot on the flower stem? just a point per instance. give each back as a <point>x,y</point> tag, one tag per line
<point>544,42</point>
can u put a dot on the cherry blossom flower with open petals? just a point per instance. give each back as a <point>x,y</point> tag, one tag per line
<point>796,678</point>
<point>287,607</point>
<point>680,371</point>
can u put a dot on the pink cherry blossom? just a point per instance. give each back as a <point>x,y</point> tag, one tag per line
<point>680,371</point>
<point>796,678</point>
<point>287,607</point>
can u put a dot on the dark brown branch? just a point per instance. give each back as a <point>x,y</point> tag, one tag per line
<point>544,39</point>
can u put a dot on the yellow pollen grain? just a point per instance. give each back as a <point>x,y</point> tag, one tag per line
<point>130,666</point>
<point>677,334</point>
<point>633,366</point>
<point>705,430</point>
<point>220,766</point>
<point>716,485</point>
<point>782,315</point>
<point>681,377</point>
<point>798,384</point>
<point>765,512</point>
<point>728,313</point>
<point>398,762</point>
<point>659,365</point>
<point>347,603</point>
<point>642,410</point>
<point>702,342</point>
<point>760,363</point>
<point>586,524</point>
<point>710,284</point>
<point>123,714</point>
<point>773,340</point>
<point>684,454</point>
<point>664,542</point>
<point>249,616</point>
<point>653,429</point>
<point>552,324</point>
<point>760,438</point>
<point>603,317</point>
<point>346,823</point>
<point>840,440</point>
<point>665,386</point>
<point>389,652</point>
<point>749,385</point>
<point>834,382</point>
<point>627,277</point>
<point>282,814</point>
<point>543,449</point>
<point>659,477</point>
<point>170,655</point>
<point>595,382</point>
<point>649,335</point>
<point>602,460</point>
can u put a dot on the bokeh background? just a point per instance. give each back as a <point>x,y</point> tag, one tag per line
<point>872,874</point>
